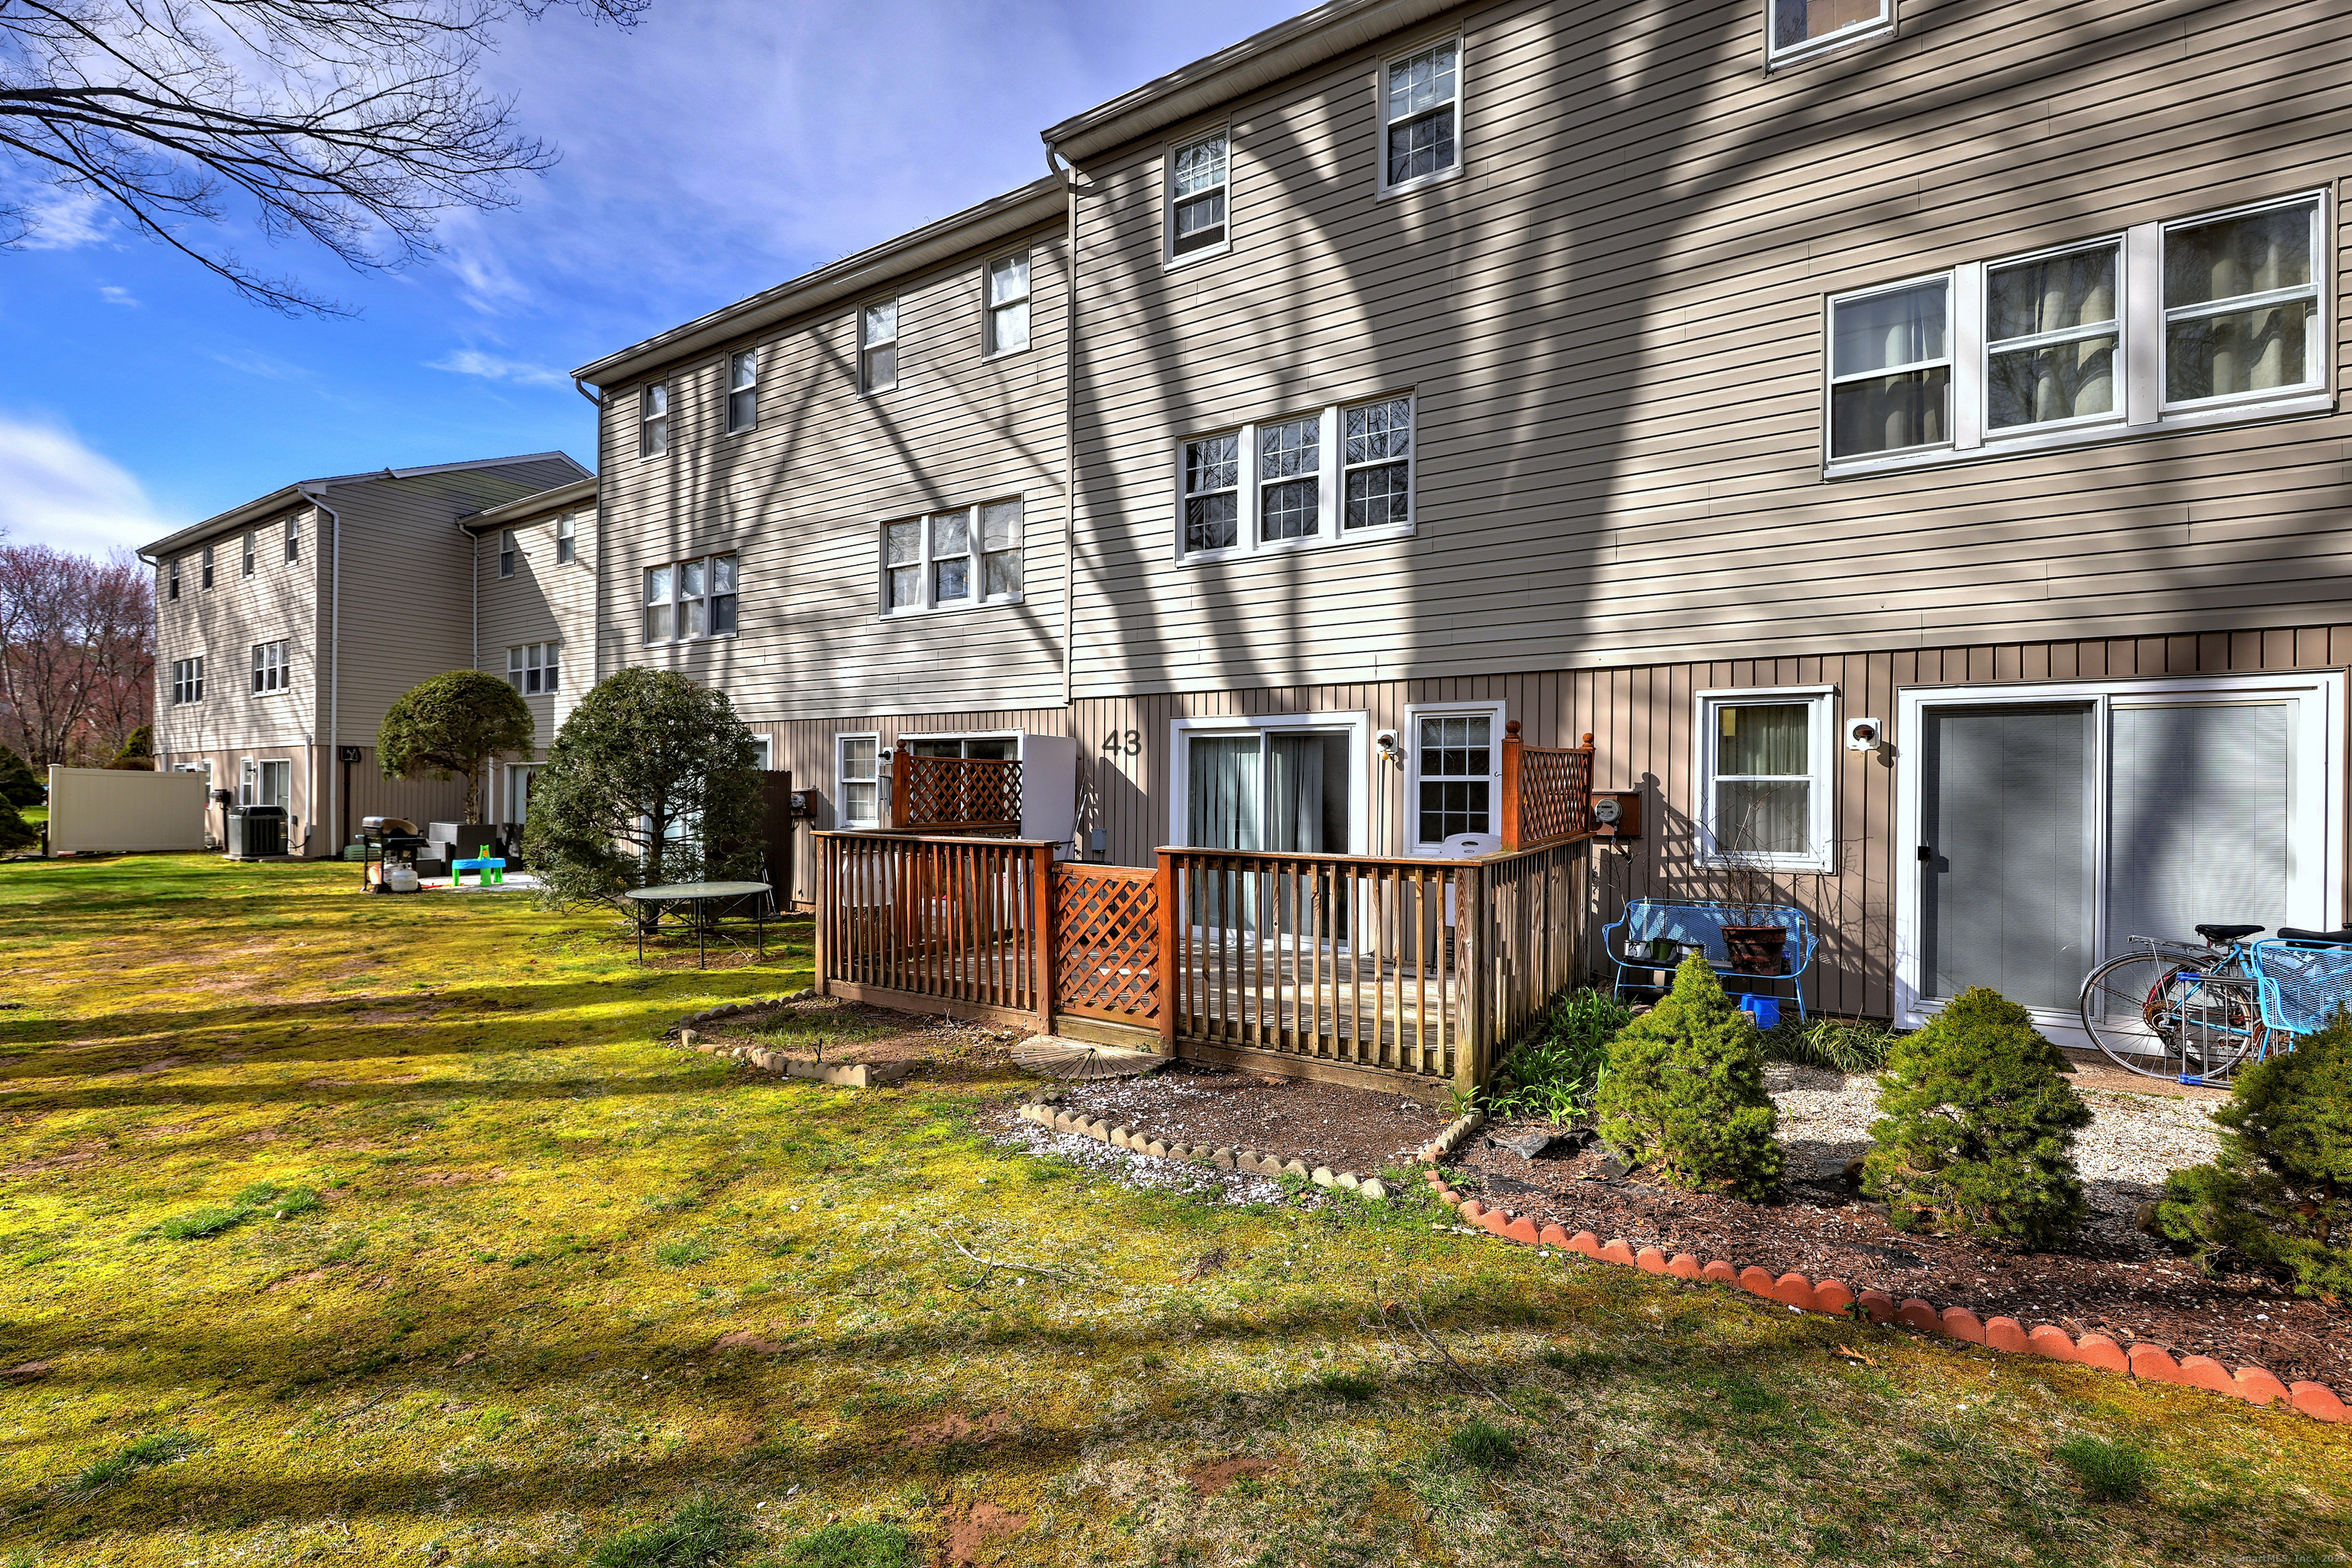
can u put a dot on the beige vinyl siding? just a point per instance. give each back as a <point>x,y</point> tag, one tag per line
<point>1612,327</point>
<point>801,498</point>
<point>546,600</point>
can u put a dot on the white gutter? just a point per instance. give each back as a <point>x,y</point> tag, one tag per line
<point>334,665</point>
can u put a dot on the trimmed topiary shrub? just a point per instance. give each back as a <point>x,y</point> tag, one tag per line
<point>19,785</point>
<point>1685,1091</point>
<point>2280,1196</point>
<point>1976,1126</point>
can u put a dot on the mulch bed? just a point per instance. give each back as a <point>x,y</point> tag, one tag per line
<point>2115,1282</point>
<point>940,1046</point>
<point>2111,1280</point>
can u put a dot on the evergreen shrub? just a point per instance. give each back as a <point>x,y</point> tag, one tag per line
<point>19,785</point>
<point>1685,1091</point>
<point>1976,1126</point>
<point>2280,1196</point>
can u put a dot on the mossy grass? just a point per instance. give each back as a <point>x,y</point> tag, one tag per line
<point>470,1346</point>
<point>2109,1471</point>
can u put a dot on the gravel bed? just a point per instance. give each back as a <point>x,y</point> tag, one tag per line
<point>1146,1171</point>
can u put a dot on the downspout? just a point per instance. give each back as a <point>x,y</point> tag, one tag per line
<point>338,804</point>
<point>1068,171</point>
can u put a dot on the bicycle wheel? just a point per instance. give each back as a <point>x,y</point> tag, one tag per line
<point>2176,1017</point>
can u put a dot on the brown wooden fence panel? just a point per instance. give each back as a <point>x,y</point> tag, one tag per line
<point>1106,943</point>
<point>953,919</point>
<point>1529,945</point>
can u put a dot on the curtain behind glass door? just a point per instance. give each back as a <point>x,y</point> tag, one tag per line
<point>1221,812</point>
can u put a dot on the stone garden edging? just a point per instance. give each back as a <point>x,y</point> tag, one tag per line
<point>1834,1297</point>
<point>856,1075</point>
<point>1120,1136</point>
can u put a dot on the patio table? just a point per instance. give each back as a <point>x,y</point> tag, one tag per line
<point>698,896</point>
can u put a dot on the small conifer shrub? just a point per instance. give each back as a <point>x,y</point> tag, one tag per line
<point>1685,1091</point>
<point>2280,1196</point>
<point>1976,1126</point>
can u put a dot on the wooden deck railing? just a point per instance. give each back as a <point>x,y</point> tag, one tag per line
<point>954,794</point>
<point>960,920</point>
<point>1547,792</point>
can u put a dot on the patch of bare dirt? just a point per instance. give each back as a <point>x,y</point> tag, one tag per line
<point>1357,1130</point>
<point>1207,1481</point>
<point>72,1159</point>
<point>456,1178</point>
<point>841,1033</point>
<point>25,1372</point>
<point>741,1340</point>
<point>957,1427</point>
<point>161,1064</point>
<point>973,1528</point>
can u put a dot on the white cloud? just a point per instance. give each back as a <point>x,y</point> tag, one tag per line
<point>490,367</point>
<point>114,296</point>
<point>55,491</point>
<point>63,220</point>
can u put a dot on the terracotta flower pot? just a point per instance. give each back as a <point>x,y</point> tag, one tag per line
<point>1756,950</point>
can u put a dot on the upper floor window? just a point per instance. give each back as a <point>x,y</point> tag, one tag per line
<point>1340,473</point>
<point>531,668</point>
<point>508,551</point>
<point>173,590</point>
<point>1808,26</point>
<point>1008,305</point>
<point>1420,101</point>
<point>187,681</point>
<point>1197,185</point>
<point>294,536</point>
<point>742,390</point>
<point>878,346</point>
<point>691,599</point>
<point>652,419</point>
<point>2205,319</point>
<point>207,578</point>
<point>952,559</point>
<point>566,544</point>
<point>248,564</point>
<point>269,669</point>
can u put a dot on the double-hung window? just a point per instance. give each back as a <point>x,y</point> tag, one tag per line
<point>567,544</point>
<point>687,600</point>
<point>652,419</point>
<point>246,563</point>
<point>187,681</point>
<point>1457,766</point>
<point>208,566</point>
<point>270,671</point>
<point>1764,773</point>
<point>859,779</point>
<point>507,550</point>
<point>531,668</point>
<point>742,390</point>
<point>952,559</point>
<point>294,536</point>
<point>1801,27</point>
<point>1008,305</point>
<point>2203,320</point>
<point>1198,183</point>
<point>1342,473</point>
<point>878,346</point>
<point>175,585</point>
<point>1421,111</point>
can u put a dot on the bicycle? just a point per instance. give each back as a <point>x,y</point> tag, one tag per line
<point>2193,1014</point>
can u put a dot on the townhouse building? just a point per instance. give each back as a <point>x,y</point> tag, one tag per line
<point>286,627</point>
<point>1711,377</point>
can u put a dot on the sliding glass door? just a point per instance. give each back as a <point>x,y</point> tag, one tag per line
<point>1289,791</point>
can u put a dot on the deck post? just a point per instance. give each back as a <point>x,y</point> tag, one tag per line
<point>1469,977</point>
<point>827,913</point>
<point>1043,957</point>
<point>1163,902</point>
<point>1512,747</point>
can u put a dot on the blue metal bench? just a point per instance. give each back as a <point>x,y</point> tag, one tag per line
<point>2302,985</point>
<point>1699,923</point>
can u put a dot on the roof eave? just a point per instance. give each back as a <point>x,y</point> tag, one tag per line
<point>560,497</point>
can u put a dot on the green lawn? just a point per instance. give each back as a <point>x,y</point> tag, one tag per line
<point>385,1231</point>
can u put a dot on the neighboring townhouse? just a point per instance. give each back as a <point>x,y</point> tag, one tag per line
<point>286,627</point>
<point>1709,377</point>
<point>534,619</point>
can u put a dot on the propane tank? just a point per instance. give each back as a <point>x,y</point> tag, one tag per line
<point>399,877</point>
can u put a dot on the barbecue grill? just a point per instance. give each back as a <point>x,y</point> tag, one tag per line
<point>390,847</point>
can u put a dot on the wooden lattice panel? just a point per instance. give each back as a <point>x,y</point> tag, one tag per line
<point>934,794</point>
<point>1106,943</point>
<point>1555,794</point>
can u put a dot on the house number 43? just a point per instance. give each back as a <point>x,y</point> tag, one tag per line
<point>1122,743</point>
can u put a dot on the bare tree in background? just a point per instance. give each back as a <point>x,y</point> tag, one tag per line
<point>352,122</point>
<point>77,653</point>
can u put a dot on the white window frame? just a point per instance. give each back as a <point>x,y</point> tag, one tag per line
<point>207,581</point>
<point>990,307</point>
<point>1331,518</point>
<point>743,392</point>
<point>187,681</point>
<point>273,671</point>
<point>652,419</point>
<point>1414,713</point>
<point>868,347</point>
<point>2319,781</point>
<point>567,544</point>
<point>534,669</point>
<point>1384,117</point>
<point>1822,749</point>
<point>1169,255</point>
<point>509,548</point>
<point>1355,723</point>
<point>261,777</point>
<point>978,598</point>
<point>1776,55</point>
<point>251,558</point>
<point>173,583</point>
<point>842,781</point>
<point>765,756</point>
<point>675,596</point>
<point>2140,373</point>
<point>294,536</point>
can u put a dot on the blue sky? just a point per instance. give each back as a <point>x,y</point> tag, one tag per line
<point>722,147</point>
